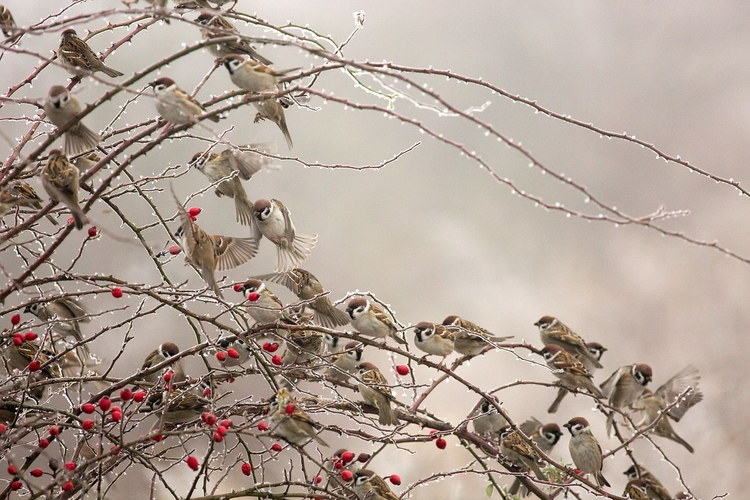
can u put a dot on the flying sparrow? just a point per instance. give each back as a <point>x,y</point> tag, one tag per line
<point>273,110</point>
<point>650,406</point>
<point>572,374</point>
<point>266,308</point>
<point>344,364</point>
<point>160,354</point>
<point>488,421</point>
<point>433,339</point>
<point>294,426</point>
<point>243,351</point>
<point>637,489</point>
<point>597,351</point>
<point>370,320</point>
<point>64,315</point>
<point>62,107</point>
<point>653,487</point>
<point>519,452</point>
<point>272,220</point>
<point>370,486</point>
<point>553,331</point>
<point>182,407</point>
<point>216,26</point>
<point>374,389</point>
<point>306,286</point>
<point>211,252</point>
<point>585,450</point>
<point>545,436</point>
<point>60,180</point>
<point>470,339</point>
<point>175,105</point>
<point>76,55</point>
<point>624,387</point>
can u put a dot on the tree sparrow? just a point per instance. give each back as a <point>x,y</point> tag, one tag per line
<point>9,201</point>
<point>344,364</point>
<point>519,452</point>
<point>182,407</point>
<point>243,351</point>
<point>597,351</point>
<point>552,331</point>
<point>433,339</point>
<point>585,450</point>
<point>76,55</point>
<point>19,357</point>
<point>216,26</point>
<point>572,374</point>
<point>267,307</point>
<point>470,339</point>
<point>273,110</point>
<point>488,421</point>
<point>296,426</point>
<point>654,489</point>
<point>64,315</point>
<point>60,180</point>
<point>211,252</point>
<point>306,286</point>
<point>637,490</point>
<point>370,320</point>
<point>370,486</point>
<point>160,354</point>
<point>253,76</point>
<point>545,436</point>
<point>21,190</point>
<point>175,105</point>
<point>302,346</point>
<point>272,220</point>
<point>61,107</point>
<point>650,406</point>
<point>374,389</point>
<point>624,387</point>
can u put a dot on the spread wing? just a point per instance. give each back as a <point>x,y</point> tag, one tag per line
<point>232,252</point>
<point>672,388</point>
<point>608,386</point>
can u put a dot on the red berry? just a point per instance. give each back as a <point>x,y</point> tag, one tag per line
<point>88,408</point>
<point>67,486</point>
<point>317,479</point>
<point>221,355</point>
<point>338,464</point>
<point>71,466</point>
<point>226,423</point>
<point>105,403</point>
<point>29,336</point>
<point>346,475</point>
<point>276,447</point>
<point>441,443</point>
<point>15,319</point>
<point>54,430</point>
<point>209,418</point>
<point>167,376</point>
<point>273,347</point>
<point>253,296</point>
<point>92,231</point>
<point>433,434</point>
<point>578,471</point>
<point>402,370</point>
<point>117,292</point>
<point>262,426</point>
<point>174,250</point>
<point>116,416</point>
<point>194,211</point>
<point>232,353</point>
<point>237,287</point>
<point>246,468</point>
<point>192,462</point>
<point>3,429</point>
<point>276,359</point>
<point>88,424</point>
<point>36,472</point>
<point>394,479</point>
<point>289,408</point>
<point>206,392</point>
<point>193,217</point>
<point>15,485</point>
<point>43,443</point>
<point>218,437</point>
<point>34,366</point>
<point>157,438</point>
<point>115,450</point>
<point>126,394</point>
<point>12,469</point>
<point>221,430</point>
<point>18,339</point>
<point>347,456</point>
<point>139,396</point>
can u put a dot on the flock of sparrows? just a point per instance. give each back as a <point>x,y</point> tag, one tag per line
<point>307,349</point>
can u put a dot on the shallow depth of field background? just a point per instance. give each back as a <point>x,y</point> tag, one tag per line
<point>433,234</point>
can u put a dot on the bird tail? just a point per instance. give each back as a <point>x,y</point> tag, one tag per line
<point>110,72</point>
<point>244,210</point>
<point>610,422</point>
<point>79,139</point>
<point>301,249</point>
<point>601,480</point>
<point>561,392</point>
<point>677,439</point>
<point>386,415</point>
<point>285,131</point>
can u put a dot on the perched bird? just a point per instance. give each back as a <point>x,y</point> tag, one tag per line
<point>60,180</point>
<point>585,450</point>
<point>572,374</point>
<point>272,220</point>
<point>62,107</point>
<point>160,354</point>
<point>624,387</point>
<point>77,55</point>
<point>211,252</point>
<point>182,407</point>
<point>84,163</point>
<point>216,26</point>
<point>262,304</point>
<point>653,487</point>
<point>519,452</point>
<point>370,320</point>
<point>344,364</point>
<point>433,339</point>
<point>21,190</point>
<point>333,342</point>
<point>302,346</point>
<point>7,23</point>
<point>175,105</point>
<point>597,351</point>
<point>240,347</point>
<point>470,339</point>
<point>272,109</point>
<point>19,357</point>
<point>306,286</point>
<point>290,422</point>
<point>637,490</point>
<point>487,421</point>
<point>64,315</point>
<point>217,166</point>
<point>545,436</point>
<point>369,485</point>
<point>253,76</point>
<point>552,331</point>
<point>9,200</point>
<point>374,389</point>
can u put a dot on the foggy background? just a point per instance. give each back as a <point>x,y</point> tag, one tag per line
<point>432,234</point>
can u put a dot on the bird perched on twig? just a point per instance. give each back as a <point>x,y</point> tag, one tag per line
<point>433,339</point>
<point>77,55</point>
<point>469,338</point>
<point>519,452</point>
<point>216,26</point>
<point>370,320</point>
<point>290,422</point>
<point>64,315</point>
<point>60,180</point>
<point>20,190</point>
<point>175,105</point>
<point>370,486</point>
<point>160,354</point>
<point>552,331</point>
<point>624,387</point>
<point>571,372</point>
<point>585,449</point>
<point>375,391</point>
<point>653,487</point>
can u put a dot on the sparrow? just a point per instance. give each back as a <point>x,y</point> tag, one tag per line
<point>487,420</point>
<point>585,450</point>
<point>175,105</point>
<point>545,436</point>
<point>553,331</point>
<point>76,55</point>
<point>19,357</point>
<point>302,346</point>
<point>572,374</point>
<point>344,364</point>
<point>243,351</point>
<point>62,107</point>
<point>60,180</point>
<point>624,387</point>
<point>253,76</point>
<point>370,320</point>
<point>370,486</point>
<point>9,200</point>
<point>7,23</point>
<point>597,351</point>
<point>182,407</point>
<point>212,252</point>
<point>217,166</point>
<point>216,26</point>
<point>306,286</point>
<point>653,487</point>
<point>433,339</point>
<point>19,189</point>
<point>273,110</point>
<point>514,448</point>
<point>267,307</point>
<point>291,422</point>
<point>650,407</point>
<point>272,220</point>
<point>333,342</point>
<point>470,339</point>
<point>64,315</point>
<point>374,389</point>
<point>160,354</point>
<point>637,490</point>
<point>84,163</point>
